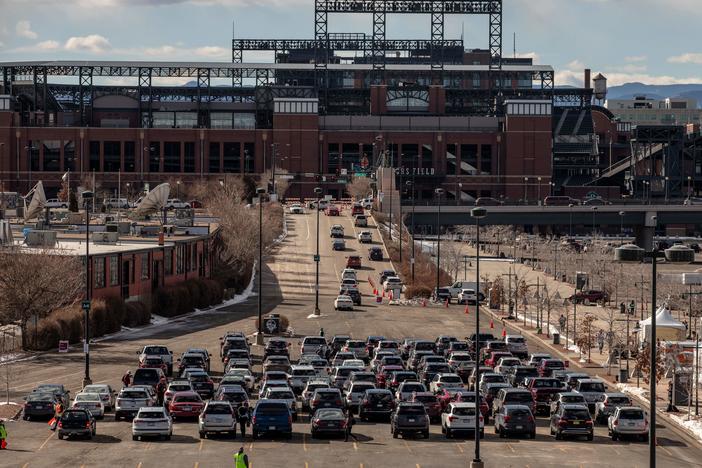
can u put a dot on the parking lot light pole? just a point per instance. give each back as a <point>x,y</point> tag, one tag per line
<point>318,192</point>
<point>477,214</point>
<point>439,192</point>
<point>411,184</point>
<point>87,199</point>
<point>259,336</point>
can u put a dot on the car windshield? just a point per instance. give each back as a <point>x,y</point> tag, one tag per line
<point>631,414</point>
<point>155,350</point>
<point>95,389</point>
<point>547,383</point>
<point>361,388</point>
<point>573,399</point>
<point>88,397</point>
<point>133,394</point>
<point>554,364</point>
<point>618,400</point>
<point>460,357</point>
<point>425,398</point>
<point>451,379</point>
<point>576,414</point>
<point>327,396</point>
<point>516,340</point>
<point>179,387</point>
<point>413,387</point>
<point>380,397</point>
<point>41,397</point>
<point>303,372</point>
<point>492,378</point>
<point>274,408</point>
<point>74,416</point>
<point>519,412</point>
<point>424,346</point>
<point>411,410</point>
<point>462,411</point>
<point>519,396</point>
<point>592,387</point>
<point>218,409</point>
<point>187,399</point>
<point>459,346</point>
<point>151,415</point>
<point>281,395</point>
<point>392,361</point>
<point>329,414</point>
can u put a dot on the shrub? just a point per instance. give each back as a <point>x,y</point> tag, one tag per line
<point>182,298</point>
<point>48,334</point>
<point>137,313</point>
<point>418,291</point>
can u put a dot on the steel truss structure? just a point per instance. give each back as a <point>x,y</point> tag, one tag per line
<point>657,158</point>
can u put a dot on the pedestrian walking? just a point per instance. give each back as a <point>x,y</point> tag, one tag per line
<point>350,421</point>
<point>241,460</point>
<point>321,332</point>
<point>3,435</point>
<point>600,340</point>
<point>243,416</point>
<point>561,322</point>
<point>127,379</point>
<point>161,390</point>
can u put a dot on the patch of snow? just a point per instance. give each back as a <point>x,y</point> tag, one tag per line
<point>694,425</point>
<point>158,320</point>
<point>12,403</point>
<point>634,390</point>
<point>11,357</point>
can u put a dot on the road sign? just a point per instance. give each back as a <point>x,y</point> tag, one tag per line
<point>63,346</point>
<point>85,305</point>
<point>287,176</point>
<point>381,195</point>
<point>316,258</point>
<point>344,171</point>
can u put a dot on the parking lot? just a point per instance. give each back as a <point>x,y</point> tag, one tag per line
<point>289,290</point>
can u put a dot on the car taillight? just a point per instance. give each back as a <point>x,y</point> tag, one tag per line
<point>530,419</point>
<point>253,420</point>
<point>588,422</point>
<point>562,422</point>
<point>616,422</point>
<point>507,418</point>
<point>290,419</point>
<point>60,424</point>
<point>452,418</point>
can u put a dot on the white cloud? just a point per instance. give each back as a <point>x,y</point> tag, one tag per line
<point>694,58</point>
<point>48,45</point>
<point>24,29</point>
<point>532,55</point>
<point>635,58</point>
<point>93,43</point>
<point>212,52</point>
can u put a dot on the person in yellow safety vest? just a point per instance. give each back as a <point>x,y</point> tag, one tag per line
<point>3,436</point>
<point>241,460</point>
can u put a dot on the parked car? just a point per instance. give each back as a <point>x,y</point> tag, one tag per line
<point>392,282</point>
<point>431,404</point>
<point>593,390</point>
<point>326,398</point>
<point>516,344</point>
<point>409,418</point>
<point>487,201</point>
<point>542,390</point>
<point>355,394</point>
<point>460,417</point>
<point>385,274</point>
<point>77,422</point>
<point>39,405</point>
<point>513,396</point>
<point>91,402</point>
<point>177,204</point>
<point>328,421</point>
<point>547,366</point>
<point>130,400</point>
<point>271,416</point>
<point>339,244</point>
<point>112,203</point>
<point>376,403</point>
<point>186,405</point>
<point>336,231</point>
<point>332,210</point>
<point>308,392</point>
<point>591,296</point>
<point>296,208</point>
<point>565,398</point>
<point>360,221</point>
<point>54,203</point>
<point>152,422</point>
<point>216,417</point>
<point>628,421</point>
<point>441,295</point>
<point>353,261</point>
<point>513,420</point>
<point>571,420</point>
<point>467,296</point>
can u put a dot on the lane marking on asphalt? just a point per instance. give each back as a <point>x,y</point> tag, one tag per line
<point>360,465</point>
<point>666,450</point>
<point>27,464</point>
<point>251,446</point>
<point>409,449</point>
<point>511,448</point>
<point>355,446</point>
<point>307,465</point>
<point>304,443</point>
<point>45,442</point>
<point>199,447</point>
<point>418,466</point>
<point>460,449</point>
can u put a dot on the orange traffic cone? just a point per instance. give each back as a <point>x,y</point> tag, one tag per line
<point>492,324</point>
<point>424,303</point>
<point>466,310</point>
<point>446,304</point>
<point>504,333</point>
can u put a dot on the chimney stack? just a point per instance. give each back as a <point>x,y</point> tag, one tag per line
<point>588,82</point>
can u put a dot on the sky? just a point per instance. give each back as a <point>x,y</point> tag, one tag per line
<point>648,41</point>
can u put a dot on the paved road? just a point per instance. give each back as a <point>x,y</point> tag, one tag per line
<point>289,288</point>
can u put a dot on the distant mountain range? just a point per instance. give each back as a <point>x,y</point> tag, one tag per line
<point>631,90</point>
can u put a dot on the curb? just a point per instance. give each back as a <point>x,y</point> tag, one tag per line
<point>645,403</point>
<point>382,240</point>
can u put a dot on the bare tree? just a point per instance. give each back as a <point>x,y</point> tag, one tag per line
<point>32,285</point>
<point>359,187</point>
<point>281,183</point>
<point>586,334</point>
<point>643,364</point>
<point>451,259</point>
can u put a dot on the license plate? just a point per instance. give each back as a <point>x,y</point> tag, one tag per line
<point>151,424</point>
<point>631,424</point>
<point>186,408</point>
<point>411,420</point>
<point>576,423</point>
<point>519,427</point>
<point>379,405</point>
<point>271,428</point>
<point>39,407</point>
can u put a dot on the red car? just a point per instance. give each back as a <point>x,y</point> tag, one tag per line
<point>448,395</point>
<point>353,261</point>
<point>357,210</point>
<point>385,374</point>
<point>153,362</point>
<point>589,297</point>
<point>431,404</point>
<point>186,405</point>
<point>332,210</point>
<point>495,357</point>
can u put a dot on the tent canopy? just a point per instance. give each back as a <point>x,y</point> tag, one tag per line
<point>667,328</point>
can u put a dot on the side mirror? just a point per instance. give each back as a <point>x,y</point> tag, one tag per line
<point>138,352</point>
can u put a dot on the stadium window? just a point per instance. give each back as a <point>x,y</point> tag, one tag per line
<point>112,156</point>
<point>69,156</point>
<point>155,156</point>
<point>469,159</point>
<point>214,158</point>
<point>52,155</point>
<point>164,119</point>
<point>94,156</point>
<point>221,120</point>
<point>232,157</point>
<point>168,262</point>
<point>186,120</point>
<point>189,156</point>
<point>129,151</point>
<point>451,159</point>
<point>245,121</point>
<point>485,159</point>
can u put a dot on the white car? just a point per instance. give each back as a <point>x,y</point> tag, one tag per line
<point>105,392</point>
<point>152,422</point>
<point>467,296</point>
<point>407,388</point>
<point>349,273</point>
<point>365,237</point>
<point>355,394</point>
<point>447,381</point>
<point>628,421</point>
<point>392,282</point>
<point>336,230</point>
<point>176,204</point>
<point>517,345</point>
<point>349,283</point>
<point>216,417</point>
<point>246,374</point>
<point>178,385</point>
<point>300,375</point>
<point>343,303</point>
<point>111,203</point>
<point>461,417</point>
<point>367,203</point>
<point>505,363</point>
<point>55,203</point>
<point>296,208</point>
<point>91,402</point>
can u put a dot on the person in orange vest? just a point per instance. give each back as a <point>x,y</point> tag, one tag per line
<point>127,378</point>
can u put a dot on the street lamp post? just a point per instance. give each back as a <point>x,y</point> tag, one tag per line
<point>439,192</point>
<point>477,214</point>
<point>259,336</point>
<point>411,184</point>
<point>459,194</point>
<point>594,228</point>
<point>621,227</point>
<point>667,179</point>
<point>539,189</point>
<point>87,197</point>
<point>570,222</point>
<point>318,192</point>
<point>526,180</point>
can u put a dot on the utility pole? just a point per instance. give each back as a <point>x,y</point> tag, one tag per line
<point>641,285</point>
